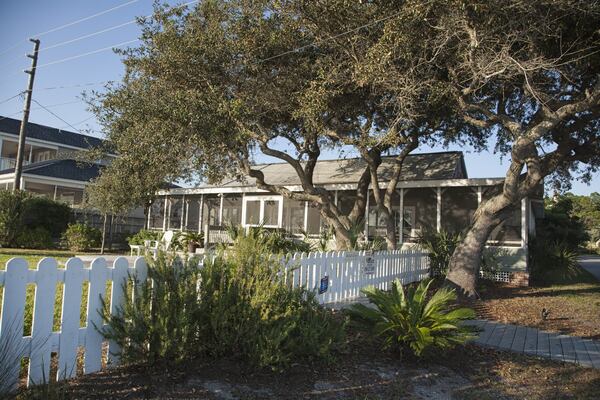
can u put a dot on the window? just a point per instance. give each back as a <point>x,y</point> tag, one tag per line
<point>252,212</point>
<point>264,210</point>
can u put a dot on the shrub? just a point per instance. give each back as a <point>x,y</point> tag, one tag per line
<point>41,212</point>
<point>276,241</point>
<point>408,319</point>
<point>440,247</point>
<point>12,206</point>
<point>552,262</point>
<point>242,308</point>
<point>161,324</point>
<point>142,235</point>
<point>81,237</point>
<point>250,311</point>
<point>34,238</point>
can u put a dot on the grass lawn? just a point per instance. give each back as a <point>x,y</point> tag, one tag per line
<point>574,305</point>
<point>34,256</point>
<point>363,371</point>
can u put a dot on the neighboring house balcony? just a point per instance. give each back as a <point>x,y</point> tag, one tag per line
<point>10,163</point>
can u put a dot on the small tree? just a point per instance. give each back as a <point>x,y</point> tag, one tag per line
<point>112,193</point>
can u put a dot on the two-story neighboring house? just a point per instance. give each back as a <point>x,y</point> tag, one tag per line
<point>51,169</point>
<point>49,166</point>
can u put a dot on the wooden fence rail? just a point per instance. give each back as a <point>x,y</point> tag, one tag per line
<point>335,276</point>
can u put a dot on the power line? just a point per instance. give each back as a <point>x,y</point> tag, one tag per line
<point>10,98</point>
<point>39,108</point>
<point>74,86</point>
<point>72,127</point>
<point>111,28</point>
<point>72,23</point>
<point>80,122</point>
<point>87,54</point>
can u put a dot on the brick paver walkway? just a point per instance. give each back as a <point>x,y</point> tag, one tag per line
<point>531,341</point>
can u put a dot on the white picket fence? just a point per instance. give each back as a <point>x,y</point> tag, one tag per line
<point>336,276</point>
<point>345,273</point>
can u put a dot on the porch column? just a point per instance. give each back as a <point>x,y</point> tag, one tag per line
<point>479,195</point>
<point>55,190</point>
<point>187,209</point>
<point>367,216</point>
<point>524,230</point>
<point>165,211</point>
<point>335,198</point>
<point>306,217</point>
<point>439,209</point>
<point>149,213</point>
<point>30,154</point>
<point>221,210</point>
<point>200,212</point>
<point>401,233</point>
<point>280,213</point>
<point>243,216</point>
<point>183,210</point>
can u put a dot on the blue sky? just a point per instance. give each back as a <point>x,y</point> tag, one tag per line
<point>23,19</point>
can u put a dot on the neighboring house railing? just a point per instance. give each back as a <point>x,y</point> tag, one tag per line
<point>335,276</point>
<point>9,163</point>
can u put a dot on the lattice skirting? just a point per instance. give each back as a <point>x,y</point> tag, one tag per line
<point>498,276</point>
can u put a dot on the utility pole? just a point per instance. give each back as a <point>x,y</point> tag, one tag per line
<point>23,130</point>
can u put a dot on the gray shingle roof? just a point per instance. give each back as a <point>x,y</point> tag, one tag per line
<point>64,169</point>
<point>421,166</point>
<point>49,134</point>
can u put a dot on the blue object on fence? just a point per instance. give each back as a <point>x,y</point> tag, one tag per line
<point>324,285</point>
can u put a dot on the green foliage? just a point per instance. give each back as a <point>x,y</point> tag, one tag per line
<point>12,207</point>
<point>143,235</point>
<point>275,240</point>
<point>586,209</point>
<point>409,319</point>
<point>81,237</point>
<point>34,238</point>
<point>243,308</point>
<point>193,239</point>
<point>162,323</point>
<point>250,311</point>
<point>561,225</point>
<point>440,246</point>
<point>552,262</point>
<point>42,212</point>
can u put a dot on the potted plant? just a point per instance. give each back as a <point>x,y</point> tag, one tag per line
<point>192,240</point>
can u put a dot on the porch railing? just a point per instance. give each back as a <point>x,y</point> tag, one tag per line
<point>9,163</point>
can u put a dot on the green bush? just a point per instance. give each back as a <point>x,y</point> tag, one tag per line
<point>12,207</point>
<point>81,237</point>
<point>250,311</point>
<point>142,235</point>
<point>242,308</point>
<point>440,246</point>
<point>552,262</point>
<point>162,323</point>
<point>408,319</point>
<point>34,238</point>
<point>276,241</point>
<point>561,225</point>
<point>41,212</point>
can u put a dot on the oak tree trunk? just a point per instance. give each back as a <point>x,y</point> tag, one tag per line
<point>390,231</point>
<point>463,269</point>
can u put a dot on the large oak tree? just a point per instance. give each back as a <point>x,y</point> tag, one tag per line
<point>525,76</point>
<point>211,88</point>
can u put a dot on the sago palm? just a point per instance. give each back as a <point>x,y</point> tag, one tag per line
<point>407,318</point>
